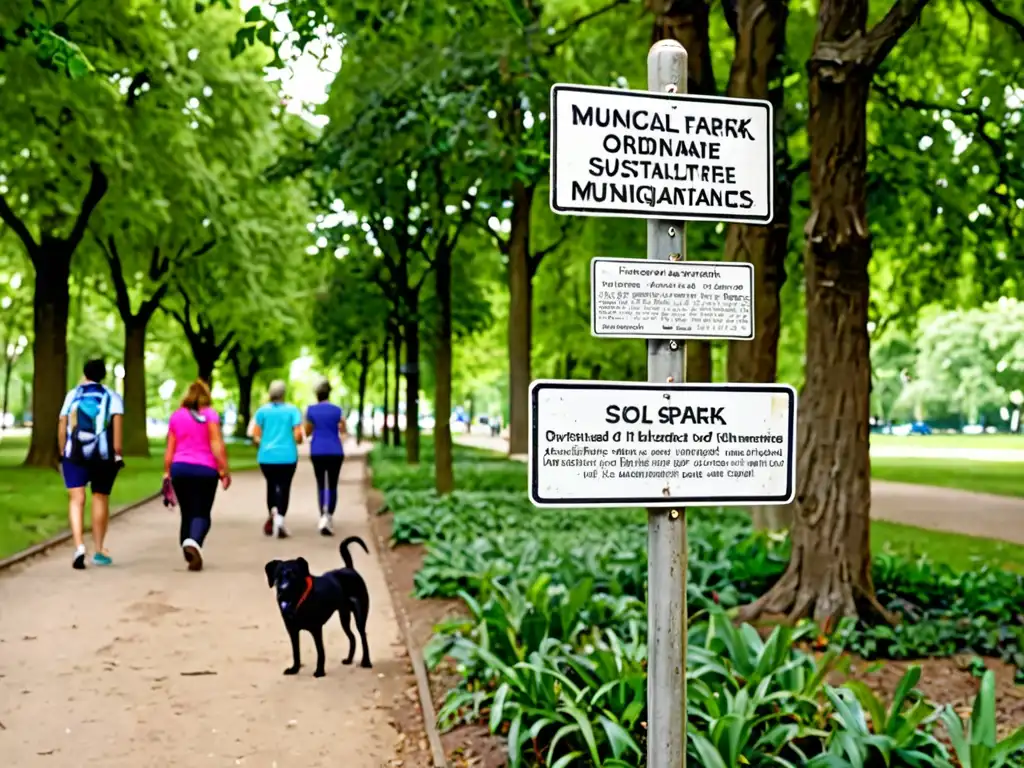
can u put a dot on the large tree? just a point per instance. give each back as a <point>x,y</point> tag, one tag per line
<point>829,573</point>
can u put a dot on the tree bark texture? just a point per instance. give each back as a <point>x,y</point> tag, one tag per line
<point>412,388</point>
<point>364,372</point>
<point>520,318</point>
<point>396,434</point>
<point>136,438</point>
<point>245,375</point>
<point>8,370</point>
<point>51,303</point>
<point>687,22</point>
<point>386,436</point>
<point>829,573</point>
<point>444,479</point>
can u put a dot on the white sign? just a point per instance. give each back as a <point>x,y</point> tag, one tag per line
<point>623,444</point>
<point>656,155</point>
<point>641,299</point>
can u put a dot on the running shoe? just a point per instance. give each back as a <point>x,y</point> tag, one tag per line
<point>278,526</point>
<point>326,524</point>
<point>99,558</point>
<point>193,554</point>
<point>78,561</point>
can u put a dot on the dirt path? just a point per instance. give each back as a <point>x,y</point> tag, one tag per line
<point>145,664</point>
<point>923,506</point>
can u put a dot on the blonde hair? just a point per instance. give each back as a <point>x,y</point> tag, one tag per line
<point>197,396</point>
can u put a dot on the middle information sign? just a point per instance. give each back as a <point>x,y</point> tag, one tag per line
<point>641,299</point>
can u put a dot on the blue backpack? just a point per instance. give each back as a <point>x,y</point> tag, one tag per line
<point>88,420</point>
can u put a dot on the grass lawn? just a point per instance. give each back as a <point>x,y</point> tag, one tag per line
<point>985,442</point>
<point>34,502</point>
<point>959,552</point>
<point>1003,478</point>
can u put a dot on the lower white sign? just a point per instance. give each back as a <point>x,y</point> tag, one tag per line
<point>624,444</point>
<point>641,299</point>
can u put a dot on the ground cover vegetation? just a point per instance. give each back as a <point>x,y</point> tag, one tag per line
<point>551,649</point>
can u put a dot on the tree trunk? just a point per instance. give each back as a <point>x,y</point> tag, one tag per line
<point>444,479</point>
<point>412,388</point>
<point>396,435</point>
<point>136,440</point>
<point>49,350</point>
<point>245,378</point>
<point>364,372</point>
<point>520,319</point>
<point>206,361</point>
<point>757,73</point>
<point>387,363</point>
<point>8,370</point>
<point>829,573</point>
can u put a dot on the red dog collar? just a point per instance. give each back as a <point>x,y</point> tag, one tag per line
<point>305,594</point>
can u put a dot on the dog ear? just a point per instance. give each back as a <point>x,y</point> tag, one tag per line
<point>271,571</point>
<point>303,566</point>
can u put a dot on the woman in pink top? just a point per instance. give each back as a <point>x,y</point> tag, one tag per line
<point>195,460</point>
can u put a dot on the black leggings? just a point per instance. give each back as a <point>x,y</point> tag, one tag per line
<point>195,501</point>
<point>327,470</point>
<point>279,485</point>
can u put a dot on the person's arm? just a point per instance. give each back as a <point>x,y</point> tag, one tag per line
<point>297,426</point>
<point>308,425</point>
<point>220,451</point>
<point>117,422</point>
<point>62,422</point>
<point>257,429</point>
<point>342,426</point>
<point>172,443</point>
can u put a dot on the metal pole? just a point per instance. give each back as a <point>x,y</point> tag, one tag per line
<point>666,529</point>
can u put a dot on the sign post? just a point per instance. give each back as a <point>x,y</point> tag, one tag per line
<point>666,529</point>
<point>667,157</point>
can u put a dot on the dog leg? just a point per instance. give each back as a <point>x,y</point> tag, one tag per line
<point>293,635</point>
<point>318,639</point>
<point>361,626</point>
<point>345,615</point>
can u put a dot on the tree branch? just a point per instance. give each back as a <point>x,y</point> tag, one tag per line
<point>882,37</point>
<point>135,88</point>
<point>563,35</point>
<point>1015,24</point>
<point>97,189</point>
<point>10,218</point>
<point>152,304</point>
<point>122,300</point>
<point>537,257</point>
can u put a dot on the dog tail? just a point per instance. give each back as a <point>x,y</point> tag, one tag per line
<point>343,549</point>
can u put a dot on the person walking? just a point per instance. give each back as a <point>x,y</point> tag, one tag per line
<point>278,433</point>
<point>196,459</point>
<point>89,433</point>
<point>325,426</point>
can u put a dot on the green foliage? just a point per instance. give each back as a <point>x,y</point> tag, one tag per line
<point>552,650</point>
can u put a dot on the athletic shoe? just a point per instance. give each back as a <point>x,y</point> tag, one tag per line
<point>278,526</point>
<point>101,559</point>
<point>268,527</point>
<point>326,525</point>
<point>78,561</point>
<point>193,554</point>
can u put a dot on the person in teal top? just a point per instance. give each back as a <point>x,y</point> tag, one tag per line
<point>278,432</point>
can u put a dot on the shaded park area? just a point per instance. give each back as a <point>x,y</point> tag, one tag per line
<point>283,195</point>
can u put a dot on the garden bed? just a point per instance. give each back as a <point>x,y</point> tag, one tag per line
<point>558,595</point>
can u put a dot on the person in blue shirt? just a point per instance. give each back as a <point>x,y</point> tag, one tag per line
<point>325,426</point>
<point>278,433</point>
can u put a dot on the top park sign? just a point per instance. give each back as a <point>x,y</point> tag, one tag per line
<point>640,154</point>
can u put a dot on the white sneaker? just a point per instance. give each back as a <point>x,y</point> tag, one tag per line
<point>326,525</point>
<point>279,530</point>
<point>193,554</point>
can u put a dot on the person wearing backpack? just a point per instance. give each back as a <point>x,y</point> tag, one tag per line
<point>89,436</point>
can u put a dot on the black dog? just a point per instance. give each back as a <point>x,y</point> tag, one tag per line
<point>307,602</point>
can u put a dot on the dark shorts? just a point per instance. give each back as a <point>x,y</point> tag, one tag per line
<point>99,477</point>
